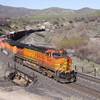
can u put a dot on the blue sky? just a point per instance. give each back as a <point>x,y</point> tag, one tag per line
<point>41,4</point>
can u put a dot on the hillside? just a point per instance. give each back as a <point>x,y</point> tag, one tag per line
<point>12,12</point>
<point>65,28</point>
<point>7,11</point>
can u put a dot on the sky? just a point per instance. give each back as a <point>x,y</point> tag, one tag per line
<point>42,4</point>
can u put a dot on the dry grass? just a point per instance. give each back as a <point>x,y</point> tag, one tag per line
<point>70,43</point>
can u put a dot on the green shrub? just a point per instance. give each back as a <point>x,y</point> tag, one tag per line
<point>71,43</point>
<point>1,34</point>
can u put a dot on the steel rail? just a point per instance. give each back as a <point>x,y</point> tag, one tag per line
<point>88,77</point>
<point>85,89</point>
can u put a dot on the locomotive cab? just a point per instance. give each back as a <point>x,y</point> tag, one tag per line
<point>56,53</point>
<point>63,64</point>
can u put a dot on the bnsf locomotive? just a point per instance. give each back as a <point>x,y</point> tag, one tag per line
<point>48,61</point>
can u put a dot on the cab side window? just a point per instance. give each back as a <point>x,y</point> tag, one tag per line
<point>48,54</point>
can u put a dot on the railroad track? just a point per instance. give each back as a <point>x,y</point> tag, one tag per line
<point>88,77</point>
<point>89,91</point>
<point>87,84</point>
<point>85,89</point>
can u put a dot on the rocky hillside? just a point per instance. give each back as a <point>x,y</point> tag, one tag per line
<point>65,28</point>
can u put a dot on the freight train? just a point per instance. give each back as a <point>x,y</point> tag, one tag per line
<point>47,61</point>
<point>18,35</point>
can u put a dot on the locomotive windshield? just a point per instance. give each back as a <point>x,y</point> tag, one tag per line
<point>59,55</point>
<point>56,53</point>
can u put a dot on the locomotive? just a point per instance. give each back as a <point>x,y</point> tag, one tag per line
<point>51,62</point>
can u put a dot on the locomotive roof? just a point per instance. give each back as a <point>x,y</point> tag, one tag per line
<point>38,48</point>
<point>29,46</point>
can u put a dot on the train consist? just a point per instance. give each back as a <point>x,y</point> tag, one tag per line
<point>20,34</point>
<point>47,61</point>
